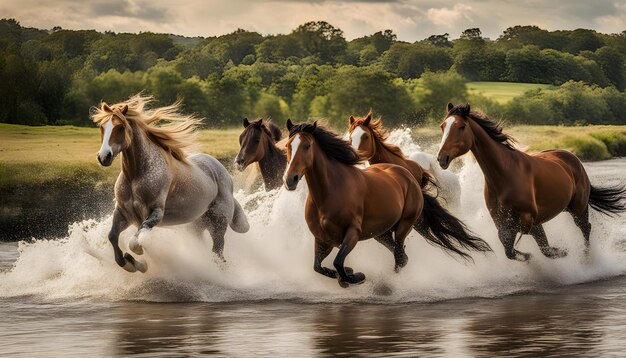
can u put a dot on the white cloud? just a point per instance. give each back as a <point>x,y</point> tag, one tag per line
<point>450,17</point>
<point>411,20</point>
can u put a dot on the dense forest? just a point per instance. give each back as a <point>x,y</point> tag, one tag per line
<point>55,76</point>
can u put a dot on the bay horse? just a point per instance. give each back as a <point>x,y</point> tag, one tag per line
<point>369,138</point>
<point>346,204</point>
<point>524,191</point>
<point>160,184</point>
<point>436,224</point>
<point>258,143</point>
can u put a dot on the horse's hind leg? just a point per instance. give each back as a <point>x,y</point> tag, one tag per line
<point>386,240</point>
<point>402,230</point>
<point>216,223</point>
<point>540,237</point>
<point>582,221</point>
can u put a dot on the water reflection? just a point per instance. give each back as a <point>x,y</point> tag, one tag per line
<point>573,321</point>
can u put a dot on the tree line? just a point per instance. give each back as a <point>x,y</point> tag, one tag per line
<point>55,76</point>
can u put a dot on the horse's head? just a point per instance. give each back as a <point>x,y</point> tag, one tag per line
<point>299,153</point>
<point>457,137</point>
<point>115,133</point>
<point>362,136</point>
<point>253,141</point>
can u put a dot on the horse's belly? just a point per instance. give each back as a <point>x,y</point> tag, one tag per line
<point>188,200</point>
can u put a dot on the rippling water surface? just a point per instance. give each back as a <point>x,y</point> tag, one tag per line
<point>67,296</point>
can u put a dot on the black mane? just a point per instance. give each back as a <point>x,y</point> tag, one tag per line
<point>331,144</point>
<point>274,130</point>
<point>491,127</point>
<point>268,127</point>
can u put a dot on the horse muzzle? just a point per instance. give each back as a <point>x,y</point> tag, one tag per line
<point>291,182</point>
<point>107,160</point>
<point>444,160</point>
<point>240,163</point>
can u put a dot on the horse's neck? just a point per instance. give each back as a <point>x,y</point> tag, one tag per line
<point>272,165</point>
<point>383,155</point>
<point>141,157</point>
<point>321,175</point>
<point>493,158</point>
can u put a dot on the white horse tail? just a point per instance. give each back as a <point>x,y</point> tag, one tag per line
<point>239,223</point>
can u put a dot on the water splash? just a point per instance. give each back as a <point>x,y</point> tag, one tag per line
<point>274,260</point>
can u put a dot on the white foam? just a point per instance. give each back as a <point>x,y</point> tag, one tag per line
<point>274,260</point>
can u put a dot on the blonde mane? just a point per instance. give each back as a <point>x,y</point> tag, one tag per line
<point>171,130</point>
<point>380,133</point>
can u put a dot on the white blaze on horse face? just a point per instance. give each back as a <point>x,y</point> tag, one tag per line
<point>106,147</point>
<point>446,130</point>
<point>356,137</point>
<point>295,143</point>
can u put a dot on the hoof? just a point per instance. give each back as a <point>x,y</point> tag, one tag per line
<point>521,256</point>
<point>134,245</point>
<point>554,252</point>
<point>327,272</point>
<point>129,267</point>
<point>352,279</point>
<point>139,266</point>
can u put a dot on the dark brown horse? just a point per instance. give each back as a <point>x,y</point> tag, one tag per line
<point>258,144</point>
<point>436,223</point>
<point>524,191</point>
<point>346,204</point>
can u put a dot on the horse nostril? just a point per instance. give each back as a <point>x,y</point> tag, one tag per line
<point>108,156</point>
<point>295,178</point>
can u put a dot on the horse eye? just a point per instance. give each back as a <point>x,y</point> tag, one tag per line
<point>307,146</point>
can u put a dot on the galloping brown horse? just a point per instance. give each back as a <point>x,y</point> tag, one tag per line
<point>258,143</point>
<point>436,223</point>
<point>524,191</point>
<point>346,204</point>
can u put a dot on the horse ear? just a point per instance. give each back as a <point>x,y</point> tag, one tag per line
<point>246,123</point>
<point>124,109</point>
<point>450,106</point>
<point>368,119</point>
<point>106,108</point>
<point>289,124</point>
<point>314,125</point>
<point>352,120</point>
<point>260,121</point>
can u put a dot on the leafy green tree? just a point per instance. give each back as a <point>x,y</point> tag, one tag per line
<point>321,39</point>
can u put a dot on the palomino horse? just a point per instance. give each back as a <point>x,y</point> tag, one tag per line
<point>346,204</point>
<point>436,224</point>
<point>369,138</point>
<point>258,144</point>
<point>159,183</point>
<point>524,191</point>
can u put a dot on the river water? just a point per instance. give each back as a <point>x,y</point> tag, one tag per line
<point>66,296</point>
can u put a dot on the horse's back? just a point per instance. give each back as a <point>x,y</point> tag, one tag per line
<point>566,160</point>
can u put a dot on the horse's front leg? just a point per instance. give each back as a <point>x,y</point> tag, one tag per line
<point>119,224</point>
<point>135,244</point>
<point>322,250</point>
<point>349,242</point>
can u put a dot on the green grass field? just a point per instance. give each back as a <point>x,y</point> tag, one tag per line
<point>39,155</point>
<point>503,92</point>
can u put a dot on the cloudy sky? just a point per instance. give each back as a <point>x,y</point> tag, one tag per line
<point>410,19</point>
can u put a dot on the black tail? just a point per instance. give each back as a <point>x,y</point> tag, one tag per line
<point>442,229</point>
<point>608,201</point>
